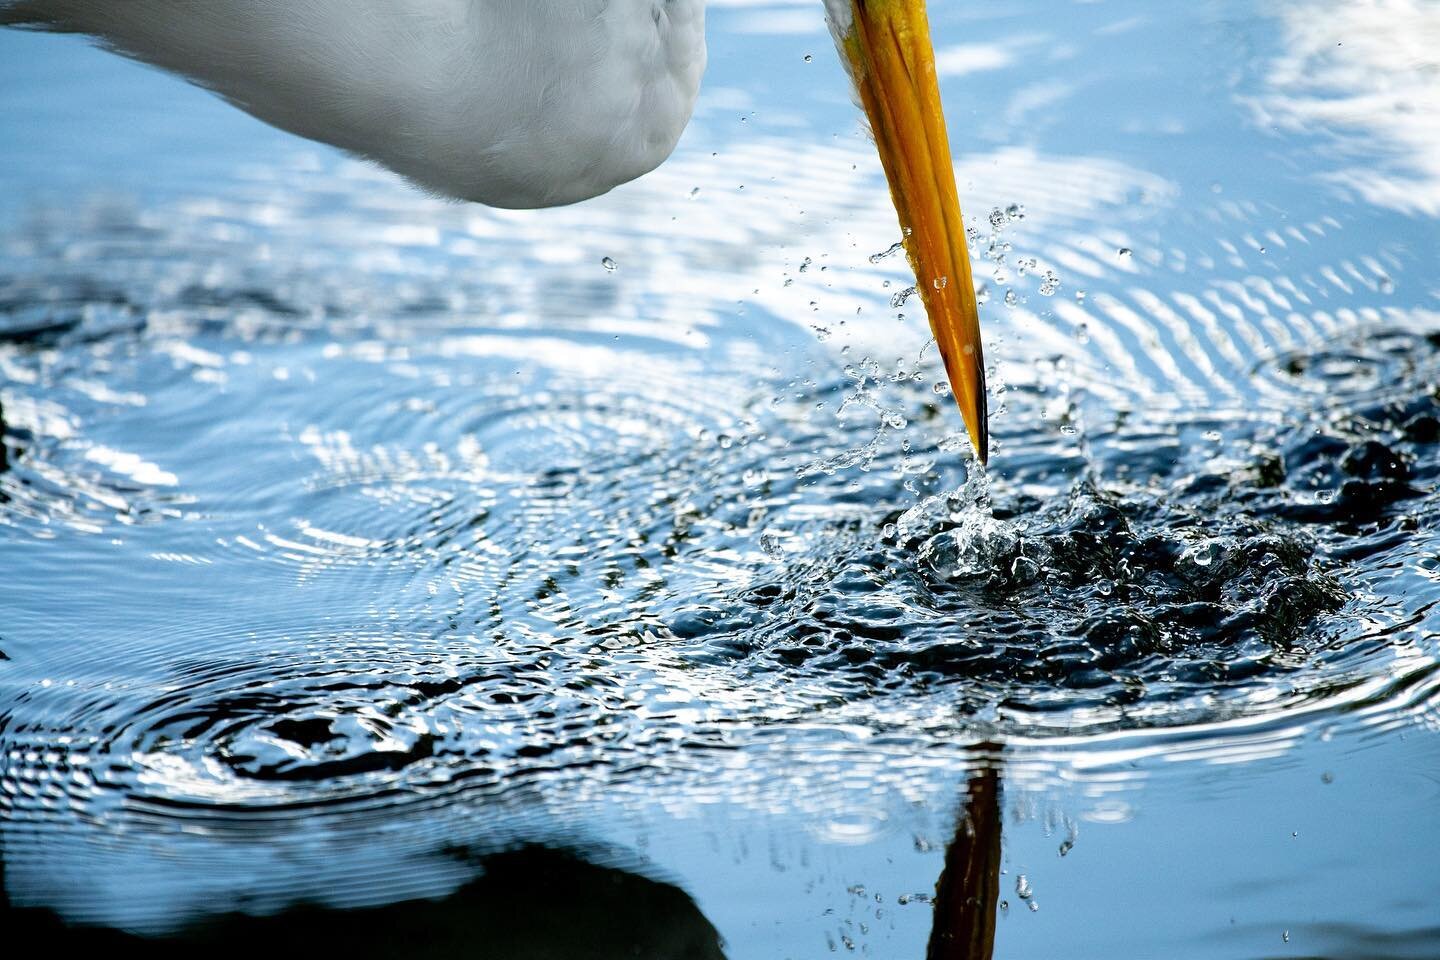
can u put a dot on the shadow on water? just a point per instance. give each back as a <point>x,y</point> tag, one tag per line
<point>533,903</point>
<point>541,903</point>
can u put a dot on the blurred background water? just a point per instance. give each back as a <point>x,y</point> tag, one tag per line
<point>390,575</point>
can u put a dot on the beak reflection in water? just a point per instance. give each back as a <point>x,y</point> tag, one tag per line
<point>886,46</point>
<point>968,891</point>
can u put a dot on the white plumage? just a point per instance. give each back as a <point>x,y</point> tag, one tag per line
<point>510,103</point>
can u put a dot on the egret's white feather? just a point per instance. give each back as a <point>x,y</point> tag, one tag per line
<point>511,103</point>
<point>840,14</point>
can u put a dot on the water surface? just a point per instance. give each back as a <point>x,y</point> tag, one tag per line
<point>373,563</point>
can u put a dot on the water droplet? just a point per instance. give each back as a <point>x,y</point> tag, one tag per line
<point>1124,253</point>
<point>808,58</point>
<point>1386,285</point>
<point>941,389</point>
<point>609,264</point>
<point>898,300</point>
<point>1049,285</point>
<point>887,252</point>
<point>1285,937</point>
<point>1010,299</point>
<point>1079,296</point>
<point>1022,887</point>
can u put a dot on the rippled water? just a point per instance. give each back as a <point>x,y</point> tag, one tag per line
<point>616,573</point>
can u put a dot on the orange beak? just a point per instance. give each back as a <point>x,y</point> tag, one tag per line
<point>888,51</point>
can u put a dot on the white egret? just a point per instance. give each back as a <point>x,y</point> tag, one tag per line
<point>536,103</point>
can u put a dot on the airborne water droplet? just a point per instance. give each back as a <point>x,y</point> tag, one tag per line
<point>1124,253</point>
<point>898,300</point>
<point>609,264</point>
<point>888,252</point>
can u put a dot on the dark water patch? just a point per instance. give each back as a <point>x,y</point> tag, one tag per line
<point>1166,575</point>
<point>531,903</point>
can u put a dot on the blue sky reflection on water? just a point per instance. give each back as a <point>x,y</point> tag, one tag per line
<point>338,380</point>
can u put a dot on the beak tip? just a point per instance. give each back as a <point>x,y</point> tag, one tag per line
<point>978,421</point>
